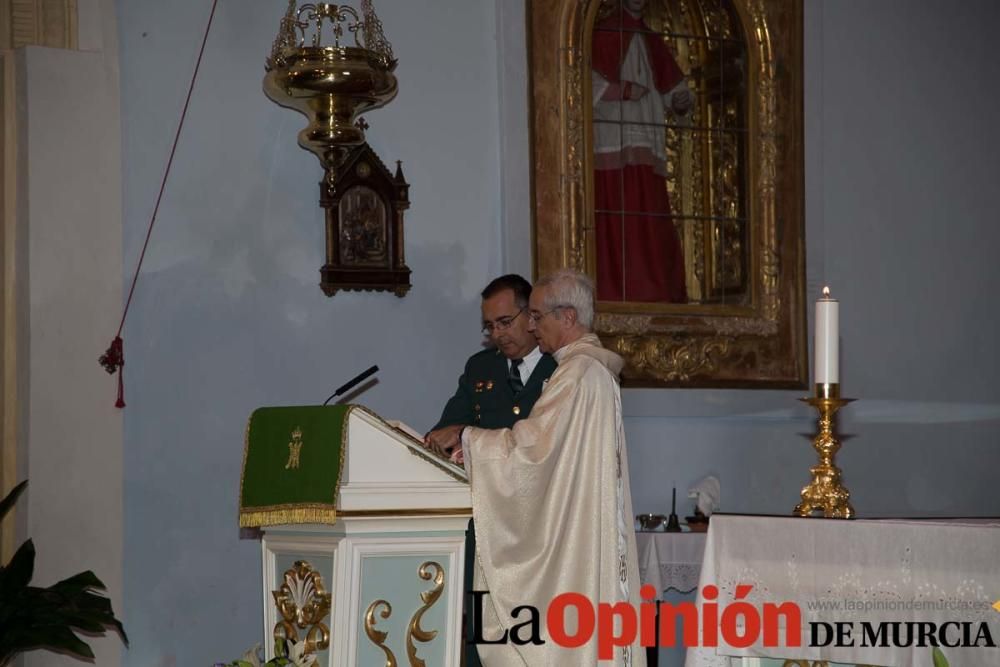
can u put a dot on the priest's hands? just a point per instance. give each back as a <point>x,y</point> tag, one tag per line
<point>444,439</point>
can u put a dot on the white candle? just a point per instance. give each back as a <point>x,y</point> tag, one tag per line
<point>827,360</point>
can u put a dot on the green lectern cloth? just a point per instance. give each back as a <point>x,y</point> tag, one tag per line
<point>292,458</point>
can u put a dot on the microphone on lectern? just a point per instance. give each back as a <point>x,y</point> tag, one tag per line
<point>353,383</point>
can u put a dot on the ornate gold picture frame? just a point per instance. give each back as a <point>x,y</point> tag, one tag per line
<point>754,335</point>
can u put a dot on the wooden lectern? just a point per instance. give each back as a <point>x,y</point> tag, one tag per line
<point>382,585</point>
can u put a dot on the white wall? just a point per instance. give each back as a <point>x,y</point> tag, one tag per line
<point>70,271</point>
<point>515,145</point>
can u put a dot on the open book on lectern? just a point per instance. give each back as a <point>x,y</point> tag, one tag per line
<point>415,442</point>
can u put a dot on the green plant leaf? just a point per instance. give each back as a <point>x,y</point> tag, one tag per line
<point>46,636</point>
<point>11,498</point>
<point>939,659</point>
<point>88,622</point>
<point>17,573</point>
<point>32,617</point>
<point>44,618</point>
<point>81,581</point>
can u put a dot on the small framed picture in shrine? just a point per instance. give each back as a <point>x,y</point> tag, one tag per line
<point>364,204</point>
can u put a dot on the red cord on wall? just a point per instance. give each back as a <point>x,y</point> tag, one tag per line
<point>113,358</point>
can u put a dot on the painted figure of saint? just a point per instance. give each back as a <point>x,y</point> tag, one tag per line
<point>635,82</point>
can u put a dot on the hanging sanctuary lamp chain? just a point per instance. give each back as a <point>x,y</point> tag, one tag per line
<point>113,358</point>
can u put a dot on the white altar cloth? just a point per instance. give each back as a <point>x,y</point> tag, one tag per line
<point>670,560</point>
<point>901,570</point>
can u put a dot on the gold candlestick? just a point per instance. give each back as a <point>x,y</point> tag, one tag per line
<point>825,492</point>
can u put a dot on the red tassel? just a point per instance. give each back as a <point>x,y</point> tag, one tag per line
<point>113,360</point>
<point>120,403</point>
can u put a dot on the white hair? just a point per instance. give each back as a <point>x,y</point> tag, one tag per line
<point>567,288</point>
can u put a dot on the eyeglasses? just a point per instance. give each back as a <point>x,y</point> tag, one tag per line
<point>502,324</point>
<point>536,316</point>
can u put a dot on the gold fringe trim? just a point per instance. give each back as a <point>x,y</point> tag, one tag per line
<point>277,517</point>
<point>343,451</point>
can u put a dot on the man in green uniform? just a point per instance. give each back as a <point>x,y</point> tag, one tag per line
<point>501,383</point>
<point>499,386</point>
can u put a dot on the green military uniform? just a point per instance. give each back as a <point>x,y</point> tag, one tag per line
<point>486,399</point>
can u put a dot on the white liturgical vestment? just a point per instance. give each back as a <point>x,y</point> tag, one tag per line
<point>553,511</point>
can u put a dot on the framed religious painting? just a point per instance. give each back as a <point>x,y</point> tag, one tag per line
<point>668,161</point>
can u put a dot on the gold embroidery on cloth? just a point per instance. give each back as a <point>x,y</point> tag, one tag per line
<point>294,449</point>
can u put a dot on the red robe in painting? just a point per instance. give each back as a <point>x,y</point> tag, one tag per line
<point>639,255</point>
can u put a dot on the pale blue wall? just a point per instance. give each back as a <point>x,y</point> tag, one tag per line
<point>901,159</point>
<point>228,315</point>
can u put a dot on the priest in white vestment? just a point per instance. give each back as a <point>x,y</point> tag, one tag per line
<point>550,496</point>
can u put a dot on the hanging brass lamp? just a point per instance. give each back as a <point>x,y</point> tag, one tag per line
<point>332,64</point>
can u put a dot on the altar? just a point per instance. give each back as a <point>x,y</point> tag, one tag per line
<point>869,592</point>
